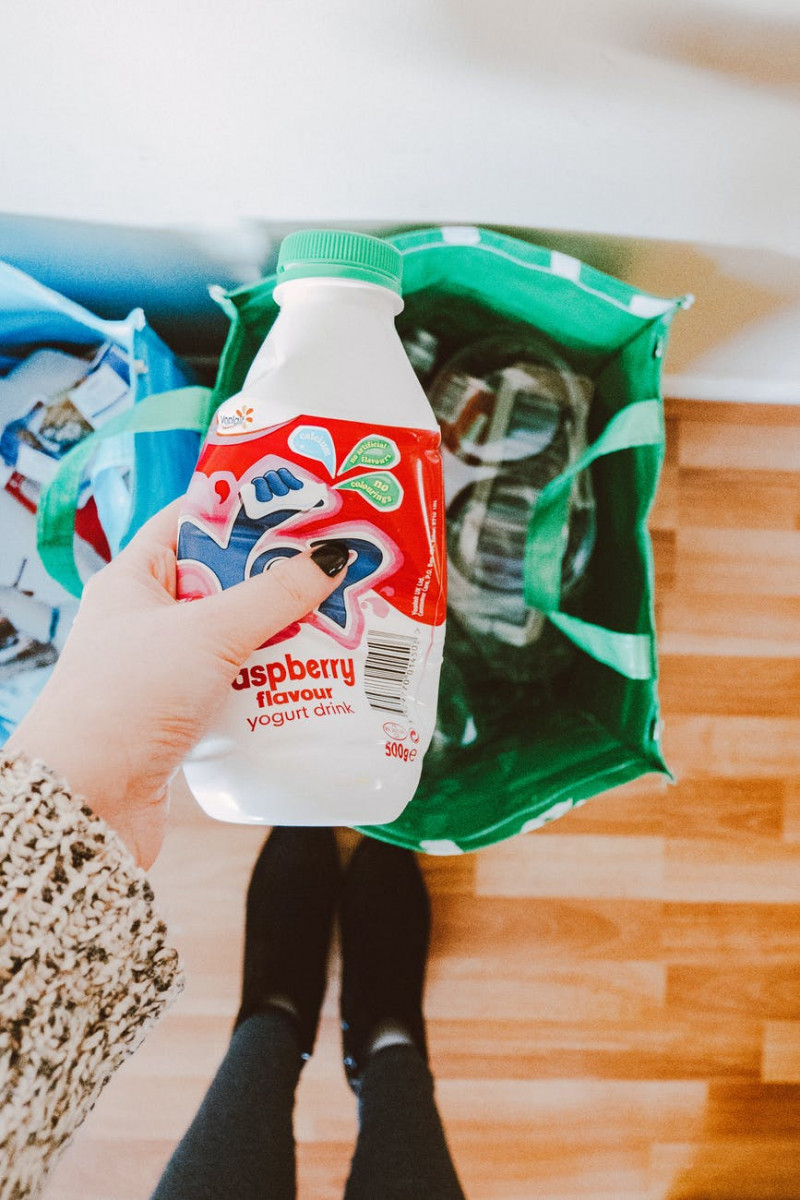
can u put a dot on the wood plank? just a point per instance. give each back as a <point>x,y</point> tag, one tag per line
<point>670,1046</point>
<point>691,623</point>
<point>770,991</point>
<point>791,810</point>
<point>736,499</point>
<point>737,807</point>
<point>588,1172</point>
<point>745,1169</point>
<point>464,990</point>
<point>449,875</point>
<point>496,930</point>
<point>730,686</point>
<point>664,556</point>
<point>752,1111</point>
<point>624,867</point>
<point>719,414</point>
<point>702,747</point>
<point>566,1112</point>
<point>781,1052</point>
<point>672,433</point>
<point>728,931</point>
<point>755,562</point>
<point>141,1109</point>
<point>687,644</point>
<point>110,1168</point>
<point>664,514</point>
<point>697,869</point>
<point>322,1168</point>
<point>764,447</point>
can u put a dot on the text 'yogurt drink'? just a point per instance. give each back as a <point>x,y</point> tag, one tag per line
<point>331,437</point>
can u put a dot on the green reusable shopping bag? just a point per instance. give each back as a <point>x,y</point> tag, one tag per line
<point>600,726</point>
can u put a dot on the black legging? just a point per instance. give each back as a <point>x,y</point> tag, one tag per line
<point>241,1143</point>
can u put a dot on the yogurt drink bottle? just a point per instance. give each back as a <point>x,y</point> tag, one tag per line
<point>330,438</point>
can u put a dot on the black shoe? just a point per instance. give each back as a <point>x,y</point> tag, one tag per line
<point>384,917</point>
<point>291,902</point>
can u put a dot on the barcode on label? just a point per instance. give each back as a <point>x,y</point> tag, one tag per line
<point>388,667</point>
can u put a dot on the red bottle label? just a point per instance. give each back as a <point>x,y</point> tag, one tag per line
<point>256,498</point>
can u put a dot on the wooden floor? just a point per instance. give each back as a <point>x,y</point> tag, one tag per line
<point>614,1002</point>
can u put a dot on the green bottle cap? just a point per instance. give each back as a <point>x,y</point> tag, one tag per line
<point>311,253</point>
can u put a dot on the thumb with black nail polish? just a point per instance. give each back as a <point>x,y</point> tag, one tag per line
<point>331,557</point>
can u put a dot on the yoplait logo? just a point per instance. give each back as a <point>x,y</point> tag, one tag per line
<point>242,417</point>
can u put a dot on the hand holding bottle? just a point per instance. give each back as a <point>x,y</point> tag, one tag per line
<point>142,677</point>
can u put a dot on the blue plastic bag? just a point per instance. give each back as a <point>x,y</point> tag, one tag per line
<point>33,316</point>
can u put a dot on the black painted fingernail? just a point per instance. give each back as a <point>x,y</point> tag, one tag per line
<point>330,557</point>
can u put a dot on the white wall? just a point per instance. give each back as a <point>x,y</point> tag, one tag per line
<point>659,142</point>
<point>627,117</point>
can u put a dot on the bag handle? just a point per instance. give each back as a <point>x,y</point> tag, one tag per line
<point>188,409</point>
<point>631,654</point>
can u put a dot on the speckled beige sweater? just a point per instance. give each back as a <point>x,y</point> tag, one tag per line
<point>85,967</point>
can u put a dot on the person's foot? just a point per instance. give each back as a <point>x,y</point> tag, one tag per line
<point>291,902</point>
<point>384,916</point>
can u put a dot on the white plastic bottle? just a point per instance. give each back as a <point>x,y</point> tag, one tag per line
<point>331,437</point>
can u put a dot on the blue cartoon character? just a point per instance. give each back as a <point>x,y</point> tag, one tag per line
<point>267,502</point>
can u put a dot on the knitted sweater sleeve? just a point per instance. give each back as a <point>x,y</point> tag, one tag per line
<point>85,967</point>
